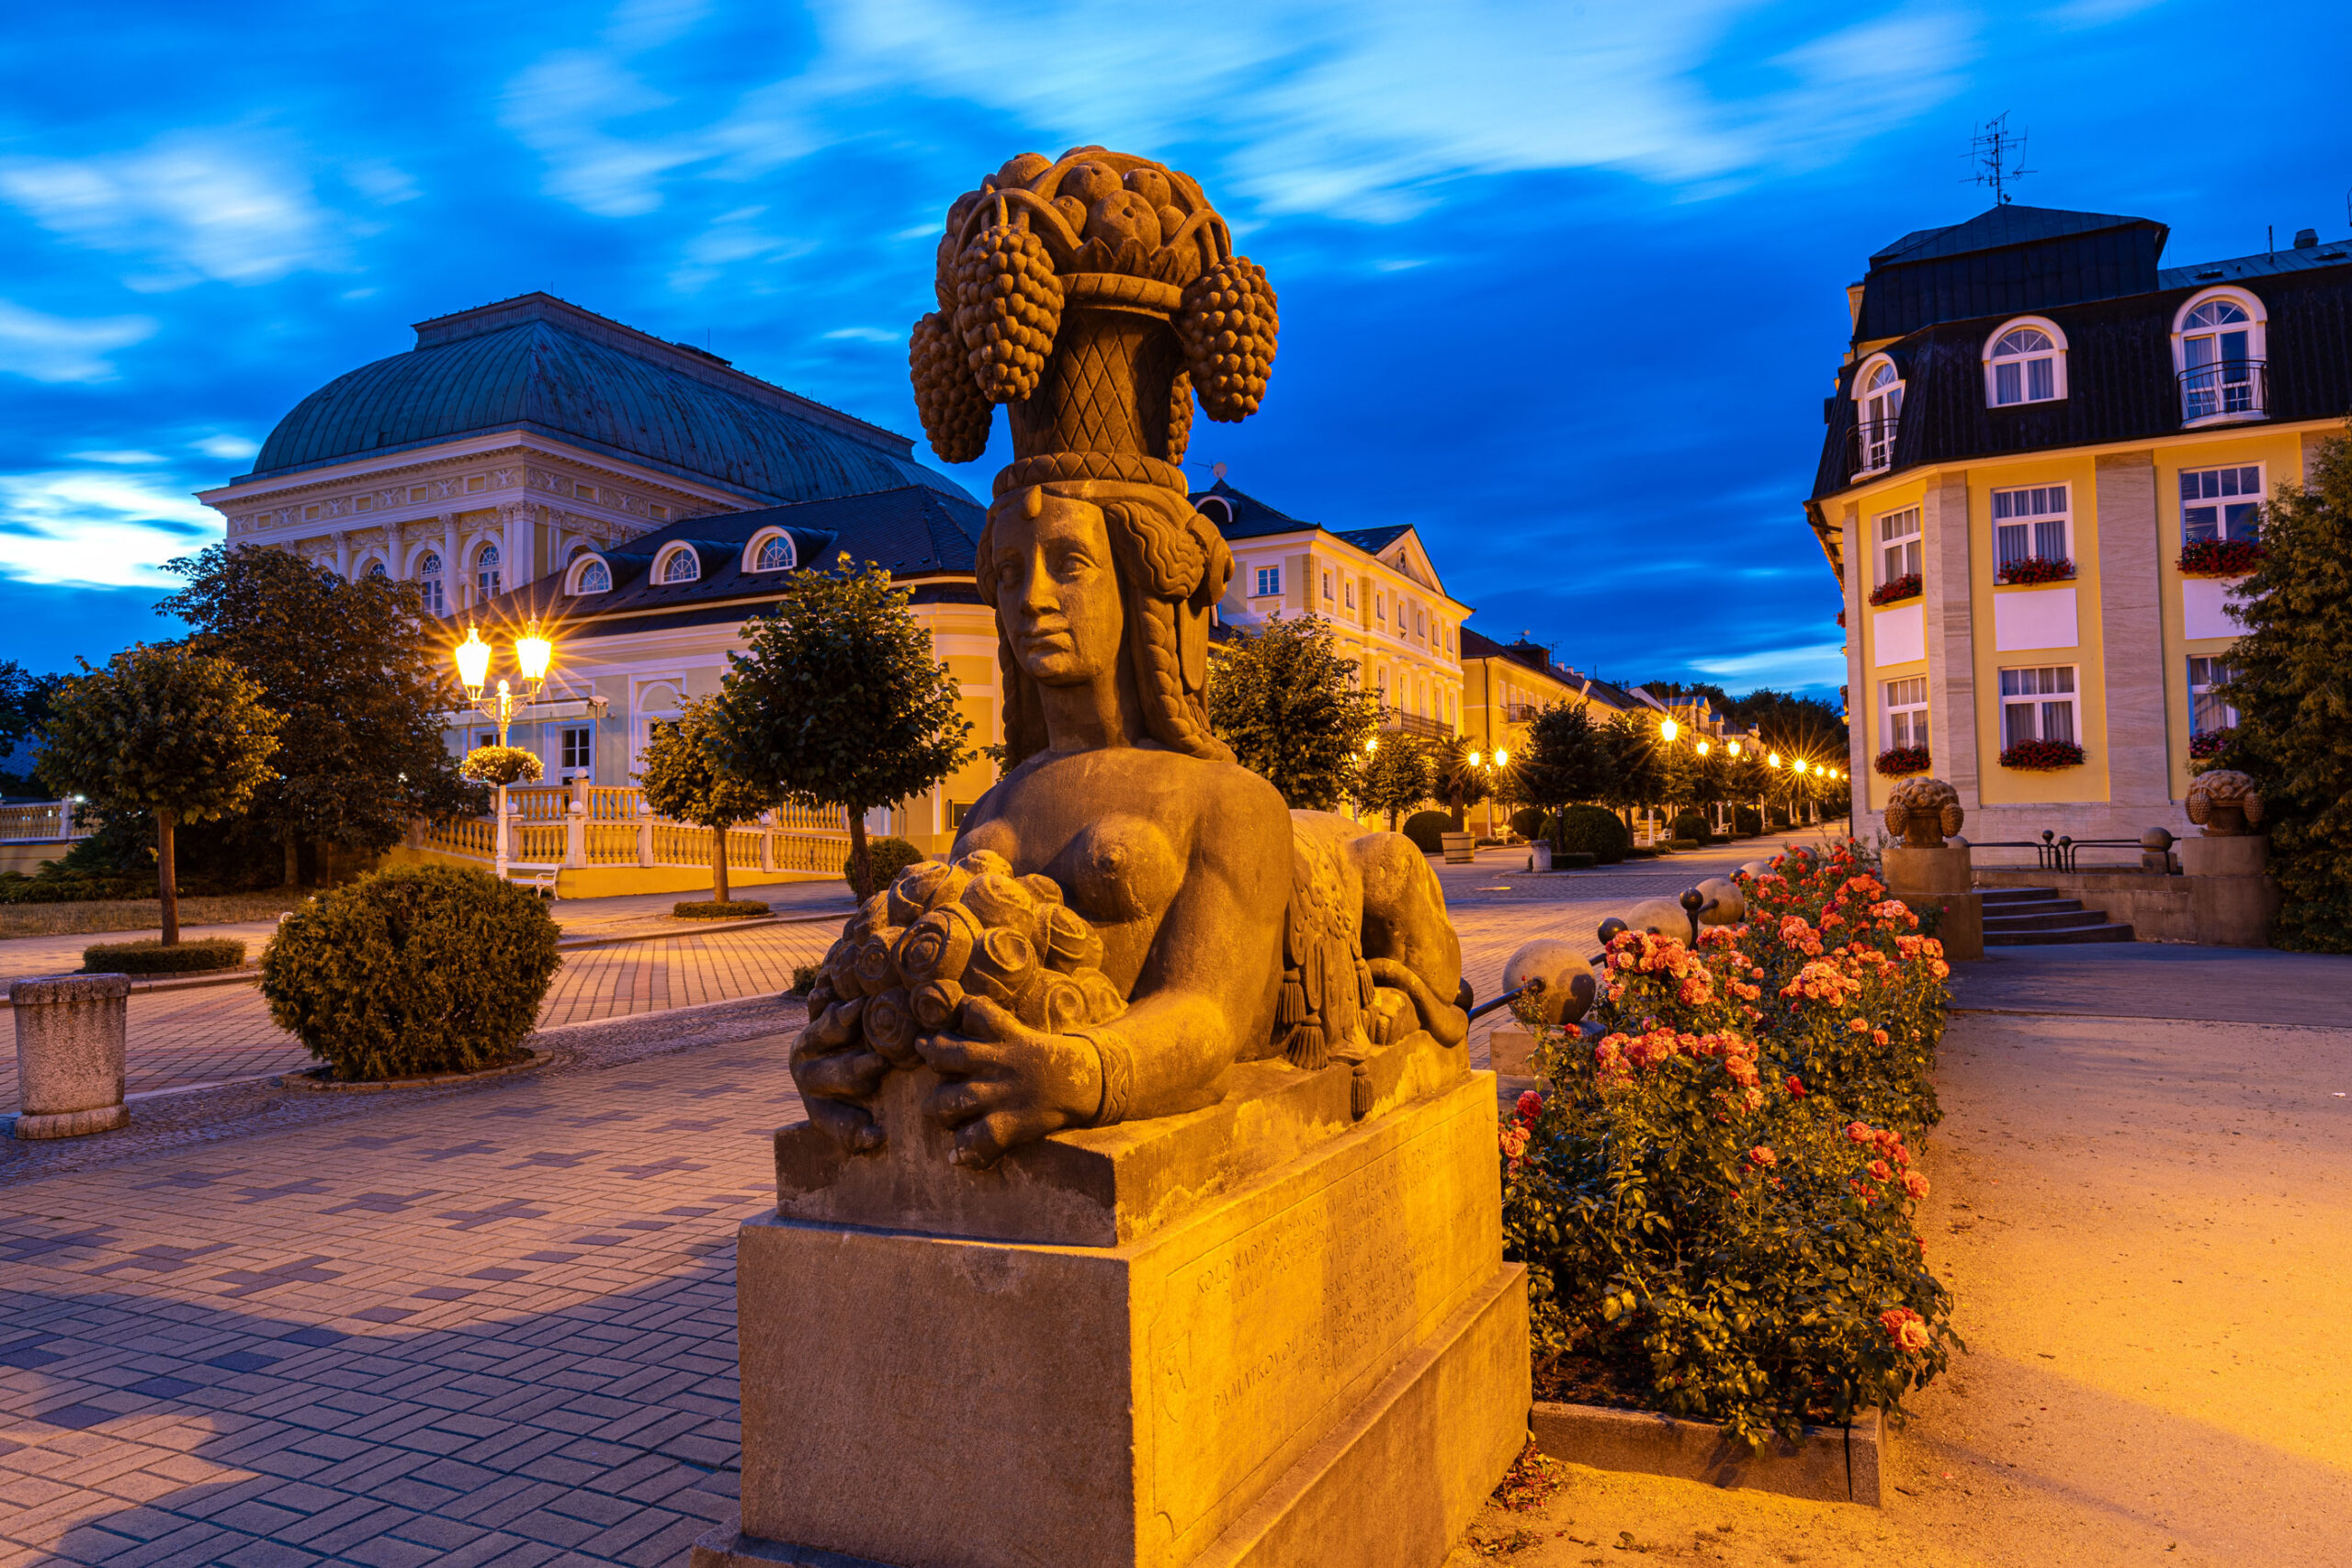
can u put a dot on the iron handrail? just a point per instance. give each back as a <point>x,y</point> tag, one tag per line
<point>2224,386</point>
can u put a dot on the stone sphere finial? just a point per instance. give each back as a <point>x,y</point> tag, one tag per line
<point>1922,811</point>
<point>2224,802</point>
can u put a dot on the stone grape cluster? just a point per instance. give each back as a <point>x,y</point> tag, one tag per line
<point>1227,327</point>
<point>1007,307</point>
<point>912,960</point>
<point>954,415</point>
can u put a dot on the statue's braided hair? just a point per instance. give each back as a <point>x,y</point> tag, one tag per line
<point>1172,566</point>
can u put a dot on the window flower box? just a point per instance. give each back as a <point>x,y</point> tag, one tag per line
<point>2028,570</point>
<point>2220,557</point>
<point>2043,756</point>
<point>2211,744</point>
<point>1896,761</point>
<point>1901,588</point>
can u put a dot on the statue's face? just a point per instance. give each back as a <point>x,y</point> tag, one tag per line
<point>1057,591</point>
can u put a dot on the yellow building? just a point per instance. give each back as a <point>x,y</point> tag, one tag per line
<point>2041,482</point>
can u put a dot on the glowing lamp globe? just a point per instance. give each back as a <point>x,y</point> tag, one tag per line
<point>473,664</point>
<point>1703,747</point>
<point>1668,730</point>
<point>534,653</point>
<point>1502,758</point>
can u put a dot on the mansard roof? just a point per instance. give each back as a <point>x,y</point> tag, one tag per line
<point>540,365</point>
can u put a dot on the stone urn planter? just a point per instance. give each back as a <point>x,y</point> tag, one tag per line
<point>1539,856</point>
<point>70,1054</point>
<point>1461,848</point>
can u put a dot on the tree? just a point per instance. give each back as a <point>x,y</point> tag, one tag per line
<point>2294,731</point>
<point>684,780</point>
<point>23,709</point>
<point>1562,762</point>
<point>1394,777</point>
<point>355,669</point>
<point>1287,701</point>
<point>1635,776</point>
<point>1456,782</point>
<point>839,701</point>
<point>165,730</point>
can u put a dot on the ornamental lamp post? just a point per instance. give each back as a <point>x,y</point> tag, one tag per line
<point>1668,730</point>
<point>534,653</point>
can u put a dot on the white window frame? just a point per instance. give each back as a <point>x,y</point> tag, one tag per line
<point>2228,506</point>
<point>1267,581</point>
<point>489,571</point>
<point>1907,549</point>
<point>2022,363</point>
<point>662,563</point>
<point>2203,704</point>
<point>586,752</point>
<point>760,541</point>
<point>1349,588</point>
<point>2035,521</point>
<point>2257,336</point>
<point>2041,703</point>
<point>1327,586</point>
<point>576,585</point>
<point>1876,436</point>
<point>1904,703</point>
<point>430,582</point>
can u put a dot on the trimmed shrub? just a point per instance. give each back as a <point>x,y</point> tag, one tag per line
<point>1574,859</point>
<point>890,856</point>
<point>1527,822</point>
<point>1689,825</point>
<point>804,978</point>
<point>1746,821</point>
<point>711,909</point>
<point>1675,844</point>
<point>1424,827</point>
<point>1595,830</point>
<point>155,958</point>
<point>420,969</point>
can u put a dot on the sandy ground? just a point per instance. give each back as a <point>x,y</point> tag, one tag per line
<point>2148,1224</point>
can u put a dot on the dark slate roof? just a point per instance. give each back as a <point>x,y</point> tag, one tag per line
<point>2007,260</point>
<point>914,530</point>
<point>537,364</point>
<point>2121,384</point>
<point>1536,657</point>
<point>1252,518</point>
<point>2270,264</point>
<point>1371,541</point>
<point>2008,224</point>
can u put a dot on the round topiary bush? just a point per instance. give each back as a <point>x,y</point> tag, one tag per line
<point>1595,830</point>
<point>890,856</point>
<point>1746,821</point>
<point>1425,827</point>
<point>421,969</point>
<point>1527,822</point>
<point>1689,825</point>
<point>155,958</point>
<point>710,909</point>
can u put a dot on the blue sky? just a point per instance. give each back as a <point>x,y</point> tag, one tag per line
<point>1562,284</point>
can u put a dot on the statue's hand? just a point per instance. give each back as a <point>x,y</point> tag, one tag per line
<point>835,1081</point>
<point>1008,1083</point>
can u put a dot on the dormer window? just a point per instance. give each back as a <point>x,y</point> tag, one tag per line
<point>1879,408</point>
<point>591,575</point>
<point>772,552</point>
<point>678,564</point>
<point>2024,362</point>
<point>2218,350</point>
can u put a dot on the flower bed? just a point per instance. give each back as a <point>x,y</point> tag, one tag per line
<point>2220,557</point>
<point>2213,743</point>
<point>1714,1201</point>
<point>2036,569</point>
<point>2043,756</point>
<point>1897,760</point>
<point>1904,587</point>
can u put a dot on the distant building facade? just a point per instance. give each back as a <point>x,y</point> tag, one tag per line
<point>2039,479</point>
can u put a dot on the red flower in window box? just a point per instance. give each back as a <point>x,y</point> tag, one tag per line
<point>1904,587</point>
<point>2220,557</point>
<point>2211,744</point>
<point>1897,760</point>
<point>2037,568</point>
<point>2043,756</point>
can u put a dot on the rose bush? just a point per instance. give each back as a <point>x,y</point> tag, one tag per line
<point>1714,1199</point>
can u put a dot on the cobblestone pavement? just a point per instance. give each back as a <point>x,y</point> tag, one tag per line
<point>485,1323</point>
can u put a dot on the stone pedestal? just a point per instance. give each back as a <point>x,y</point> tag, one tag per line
<point>1260,1333</point>
<point>2231,897</point>
<point>70,1054</point>
<point>1940,880</point>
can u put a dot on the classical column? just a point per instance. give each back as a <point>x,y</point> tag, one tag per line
<point>453,588</point>
<point>2131,618</point>
<point>1952,636</point>
<point>342,555</point>
<point>395,563</point>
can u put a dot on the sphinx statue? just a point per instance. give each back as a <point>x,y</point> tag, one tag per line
<point>1128,912</point>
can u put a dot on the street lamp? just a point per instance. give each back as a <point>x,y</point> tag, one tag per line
<point>534,653</point>
<point>1703,748</point>
<point>1668,730</point>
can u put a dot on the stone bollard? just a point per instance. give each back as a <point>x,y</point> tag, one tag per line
<point>70,1054</point>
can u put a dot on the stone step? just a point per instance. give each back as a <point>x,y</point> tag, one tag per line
<point>2099,930</point>
<point>2041,917</point>
<point>1993,896</point>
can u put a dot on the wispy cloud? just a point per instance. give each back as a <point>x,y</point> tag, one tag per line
<point>60,348</point>
<point>1813,664</point>
<point>93,528</point>
<point>228,448</point>
<point>192,207</point>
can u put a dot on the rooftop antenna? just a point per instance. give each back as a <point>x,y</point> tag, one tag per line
<point>1218,469</point>
<point>1993,155</point>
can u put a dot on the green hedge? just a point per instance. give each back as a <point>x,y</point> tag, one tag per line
<point>421,969</point>
<point>1574,859</point>
<point>889,857</point>
<point>1682,843</point>
<point>1746,821</point>
<point>710,909</point>
<point>1689,825</point>
<point>1527,822</point>
<point>1424,827</point>
<point>1595,830</point>
<point>155,958</point>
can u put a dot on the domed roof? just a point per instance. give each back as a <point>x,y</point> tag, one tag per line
<point>537,364</point>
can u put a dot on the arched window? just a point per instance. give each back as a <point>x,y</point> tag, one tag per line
<point>772,552</point>
<point>428,580</point>
<point>592,576</point>
<point>375,568</point>
<point>1879,399</point>
<point>680,565</point>
<point>2024,362</point>
<point>2218,351</point>
<point>488,583</point>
